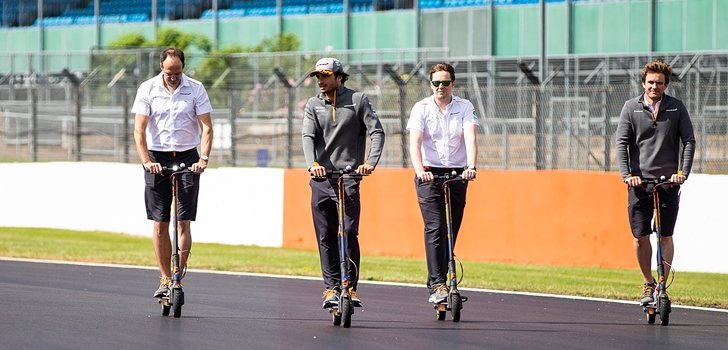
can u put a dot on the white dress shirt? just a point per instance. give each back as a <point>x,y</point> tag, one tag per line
<point>173,123</point>
<point>443,144</point>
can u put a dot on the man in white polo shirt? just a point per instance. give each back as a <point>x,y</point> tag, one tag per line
<point>442,139</point>
<point>172,120</point>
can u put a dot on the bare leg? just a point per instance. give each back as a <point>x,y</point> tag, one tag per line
<point>185,243</point>
<point>643,250</point>
<point>162,247</point>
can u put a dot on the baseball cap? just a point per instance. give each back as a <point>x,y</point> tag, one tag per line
<point>327,65</point>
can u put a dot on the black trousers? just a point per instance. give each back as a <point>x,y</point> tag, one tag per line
<point>431,198</point>
<point>324,201</point>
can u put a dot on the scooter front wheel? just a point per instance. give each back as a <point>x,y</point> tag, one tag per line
<point>665,311</point>
<point>346,310</point>
<point>178,299</point>
<point>456,304</point>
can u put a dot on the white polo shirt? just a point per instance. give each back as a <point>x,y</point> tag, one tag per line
<point>173,123</point>
<point>443,143</point>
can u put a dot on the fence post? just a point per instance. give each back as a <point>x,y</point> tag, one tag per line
<point>77,89</point>
<point>125,123</point>
<point>233,103</point>
<point>33,94</point>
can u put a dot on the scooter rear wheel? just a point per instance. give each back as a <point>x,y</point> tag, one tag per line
<point>165,310</point>
<point>651,317</point>
<point>335,317</point>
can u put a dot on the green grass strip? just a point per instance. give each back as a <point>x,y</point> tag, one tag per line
<point>697,289</point>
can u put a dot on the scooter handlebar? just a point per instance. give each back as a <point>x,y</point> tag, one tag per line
<point>662,181</point>
<point>176,168</point>
<point>348,171</point>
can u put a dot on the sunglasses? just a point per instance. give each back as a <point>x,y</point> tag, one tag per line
<point>437,83</point>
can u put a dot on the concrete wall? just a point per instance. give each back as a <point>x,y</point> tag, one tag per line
<point>566,218</point>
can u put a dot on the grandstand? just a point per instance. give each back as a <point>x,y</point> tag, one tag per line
<point>82,12</point>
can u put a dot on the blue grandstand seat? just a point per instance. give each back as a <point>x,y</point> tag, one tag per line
<point>336,8</point>
<point>295,9</point>
<point>318,9</point>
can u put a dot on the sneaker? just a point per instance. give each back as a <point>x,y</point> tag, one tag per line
<point>355,298</point>
<point>439,293</point>
<point>163,291</point>
<point>331,298</point>
<point>648,291</point>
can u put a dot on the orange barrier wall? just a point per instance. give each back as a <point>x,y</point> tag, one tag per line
<point>547,217</point>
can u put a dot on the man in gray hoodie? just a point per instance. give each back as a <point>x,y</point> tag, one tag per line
<point>336,124</point>
<point>652,128</point>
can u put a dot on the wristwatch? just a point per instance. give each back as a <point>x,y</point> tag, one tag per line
<point>205,158</point>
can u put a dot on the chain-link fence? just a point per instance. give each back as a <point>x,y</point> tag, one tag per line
<point>566,122</point>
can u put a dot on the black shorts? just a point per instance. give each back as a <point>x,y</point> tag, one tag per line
<point>158,188</point>
<point>641,206</point>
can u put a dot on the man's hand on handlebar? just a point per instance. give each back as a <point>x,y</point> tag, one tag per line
<point>633,181</point>
<point>678,178</point>
<point>364,169</point>
<point>154,168</point>
<point>199,167</point>
<point>469,174</point>
<point>317,171</point>
<point>425,176</point>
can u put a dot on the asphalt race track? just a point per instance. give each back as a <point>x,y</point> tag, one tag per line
<point>63,306</point>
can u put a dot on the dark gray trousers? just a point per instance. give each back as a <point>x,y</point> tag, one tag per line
<point>431,198</point>
<point>324,201</point>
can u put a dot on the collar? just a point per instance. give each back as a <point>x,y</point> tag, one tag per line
<point>447,106</point>
<point>159,81</point>
<point>339,91</point>
<point>643,99</point>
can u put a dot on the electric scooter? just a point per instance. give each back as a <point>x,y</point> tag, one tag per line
<point>176,298</point>
<point>341,313</point>
<point>454,301</point>
<point>661,304</point>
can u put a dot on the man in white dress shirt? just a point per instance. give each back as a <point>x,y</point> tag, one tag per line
<point>172,120</point>
<point>442,130</point>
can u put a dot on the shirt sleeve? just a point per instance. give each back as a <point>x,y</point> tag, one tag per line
<point>374,129</point>
<point>141,102</point>
<point>202,101</point>
<point>309,134</point>
<point>623,137</point>
<point>469,117</point>
<point>416,120</point>
<point>687,135</point>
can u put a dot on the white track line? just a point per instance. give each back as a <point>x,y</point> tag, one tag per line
<point>398,284</point>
